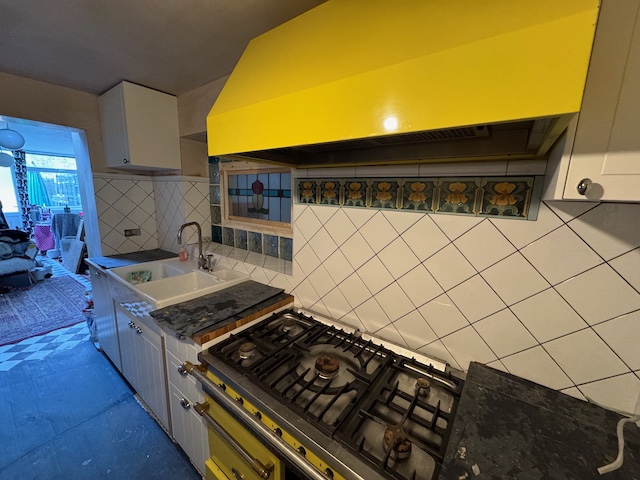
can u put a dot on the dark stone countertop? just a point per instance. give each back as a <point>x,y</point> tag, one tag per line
<point>510,428</point>
<point>214,309</point>
<point>132,258</point>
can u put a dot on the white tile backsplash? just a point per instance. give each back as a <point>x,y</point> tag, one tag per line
<point>546,305</point>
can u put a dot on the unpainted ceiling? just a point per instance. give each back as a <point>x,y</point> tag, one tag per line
<point>170,45</point>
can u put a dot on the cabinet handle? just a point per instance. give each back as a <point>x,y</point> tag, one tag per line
<point>124,160</point>
<point>180,336</point>
<point>185,403</point>
<point>237,474</point>
<point>182,371</point>
<point>138,330</point>
<point>583,186</point>
<point>97,274</point>
<point>131,324</point>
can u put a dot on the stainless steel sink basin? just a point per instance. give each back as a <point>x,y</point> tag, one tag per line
<point>174,282</point>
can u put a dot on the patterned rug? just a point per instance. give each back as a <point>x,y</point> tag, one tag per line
<point>49,305</point>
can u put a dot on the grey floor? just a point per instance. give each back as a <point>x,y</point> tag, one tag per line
<point>69,415</point>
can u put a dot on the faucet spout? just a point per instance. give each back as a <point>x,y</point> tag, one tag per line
<point>202,262</point>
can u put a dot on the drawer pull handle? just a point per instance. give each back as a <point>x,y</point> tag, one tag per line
<point>182,371</point>
<point>185,403</point>
<point>138,330</point>
<point>237,474</point>
<point>131,324</point>
<point>261,431</point>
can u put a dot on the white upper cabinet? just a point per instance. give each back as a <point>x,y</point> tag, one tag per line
<point>600,157</point>
<point>139,128</point>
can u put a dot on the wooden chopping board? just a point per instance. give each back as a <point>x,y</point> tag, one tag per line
<point>216,309</point>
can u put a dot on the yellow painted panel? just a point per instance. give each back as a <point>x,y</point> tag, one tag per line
<point>339,71</point>
<point>233,428</point>
<point>213,471</point>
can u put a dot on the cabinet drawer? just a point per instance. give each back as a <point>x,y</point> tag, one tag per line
<point>189,429</point>
<point>186,384</point>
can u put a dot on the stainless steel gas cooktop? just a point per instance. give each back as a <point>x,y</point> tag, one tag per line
<point>393,413</point>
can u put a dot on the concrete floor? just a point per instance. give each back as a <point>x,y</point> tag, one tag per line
<point>70,415</point>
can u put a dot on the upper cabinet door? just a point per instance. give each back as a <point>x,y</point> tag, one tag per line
<point>606,151</point>
<point>140,128</point>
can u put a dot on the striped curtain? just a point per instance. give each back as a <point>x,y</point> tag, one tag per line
<point>23,190</point>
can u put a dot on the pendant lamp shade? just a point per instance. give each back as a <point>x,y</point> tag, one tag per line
<point>6,160</point>
<point>11,139</point>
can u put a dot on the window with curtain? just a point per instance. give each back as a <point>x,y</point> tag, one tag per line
<point>52,181</point>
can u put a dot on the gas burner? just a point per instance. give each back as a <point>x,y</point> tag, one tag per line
<point>327,366</point>
<point>423,386</point>
<point>246,350</point>
<point>398,441</point>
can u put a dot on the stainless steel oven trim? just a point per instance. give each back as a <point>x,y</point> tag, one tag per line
<point>255,426</point>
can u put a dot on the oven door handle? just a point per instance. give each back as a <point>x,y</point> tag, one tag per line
<point>251,423</point>
<point>263,470</point>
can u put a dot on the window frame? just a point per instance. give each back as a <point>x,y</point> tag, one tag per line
<point>56,208</point>
<point>271,227</point>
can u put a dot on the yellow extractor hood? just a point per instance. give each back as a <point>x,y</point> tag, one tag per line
<point>376,81</point>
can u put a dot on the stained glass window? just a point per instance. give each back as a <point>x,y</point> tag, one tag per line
<point>260,196</point>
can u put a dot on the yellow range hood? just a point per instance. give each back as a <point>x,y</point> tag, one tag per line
<point>378,82</point>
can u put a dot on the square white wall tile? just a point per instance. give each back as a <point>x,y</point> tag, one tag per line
<point>439,351</point>
<point>372,316</point>
<point>584,357</point>
<point>628,265</point>
<point>449,267</point>
<point>424,238</point>
<point>378,232</point>
<point>521,234</point>
<point>484,245</point>
<point>402,220</point>
<point>466,346</point>
<point>415,330</point>
<point>536,365</point>
<point>443,316</point>
<point>375,275</point>
<point>391,334</point>
<point>357,250</point>
<point>567,211</point>
<point>599,294</point>
<point>354,290</point>
<point>561,244</point>
<point>340,227</point>
<point>394,302</point>
<point>514,279</point>
<point>475,299</point>
<point>547,316</point>
<point>398,258</point>
<point>622,334</point>
<point>504,333</point>
<point>338,266</point>
<point>619,393</point>
<point>321,281</point>
<point>307,224</point>
<point>611,229</point>
<point>322,244</point>
<point>453,225</point>
<point>337,304</point>
<point>419,285</point>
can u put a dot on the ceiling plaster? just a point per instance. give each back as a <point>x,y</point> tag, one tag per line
<point>170,45</point>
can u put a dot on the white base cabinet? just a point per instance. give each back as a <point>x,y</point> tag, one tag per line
<point>104,315</point>
<point>188,427</point>
<point>143,362</point>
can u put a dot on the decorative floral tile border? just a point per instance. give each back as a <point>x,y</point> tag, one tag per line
<point>509,197</point>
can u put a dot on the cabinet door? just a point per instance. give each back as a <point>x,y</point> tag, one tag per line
<point>105,316</point>
<point>606,148</point>
<point>152,127</point>
<point>128,353</point>
<point>114,129</point>
<point>149,350</point>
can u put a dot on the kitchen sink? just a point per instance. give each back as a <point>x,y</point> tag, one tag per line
<point>174,282</point>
